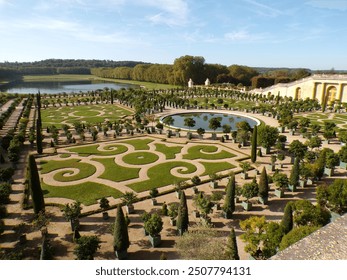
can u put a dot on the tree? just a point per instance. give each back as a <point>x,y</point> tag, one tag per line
<point>295,173</point>
<point>263,185</point>
<point>71,212</point>
<point>186,67</point>
<point>38,137</point>
<point>281,180</point>
<point>190,122</point>
<point>231,251</point>
<point>183,218</point>
<point>287,219</point>
<point>87,247</point>
<point>250,190</point>
<point>267,136</point>
<point>214,123</point>
<point>120,234</point>
<point>262,238</point>
<point>314,142</point>
<point>295,235</point>
<point>254,144</point>
<point>305,213</point>
<point>229,201</point>
<point>34,185</point>
<point>154,225</point>
<point>333,196</point>
<point>297,149</point>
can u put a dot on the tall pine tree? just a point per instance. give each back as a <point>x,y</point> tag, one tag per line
<point>33,180</point>
<point>287,219</point>
<point>263,186</point>
<point>294,174</point>
<point>254,144</point>
<point>38,137</point>
<point>231,247</point>
<point>182,218</point>
<point>229,202</point>
<point>120,235</point>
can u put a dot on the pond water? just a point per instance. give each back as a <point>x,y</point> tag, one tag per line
<point>60,87</point>
<point>202,120</point>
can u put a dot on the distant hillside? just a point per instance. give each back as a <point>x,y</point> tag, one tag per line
<point>80,63</point>
<point>263,70</point>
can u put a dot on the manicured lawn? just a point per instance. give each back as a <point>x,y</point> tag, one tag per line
<point>87,193</point>
<point>108,150</point>
<point>85,169</point>
<point>160,175</point>
<point>215,167</point>
<point>206,152</point>
<point>140,158</point>
<point>115,172</point>
<point>169,152</point>
<point>139,144</point>
<point>86,113</point>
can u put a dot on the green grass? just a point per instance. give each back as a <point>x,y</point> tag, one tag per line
<point>139,144</point>
<point>206,152</point>
<point>115,172</point>
<point>215,167</point>
<point>60,78</point>
<point>109,150</point>
<point>147,85</point>
<point>85,169</point>
<point>140,158</point>
<point>87,193</point>
<point>86,113</point>
<point>169,152</point>
<point>160,176</point>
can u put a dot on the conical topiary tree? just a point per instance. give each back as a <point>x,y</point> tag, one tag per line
<point>287,219</point>
<point>182,218</point>
<point>229,201</point>
<point>34,185</point>
<point>294,175</point>
<point>254,144</point>
<point>38,137</point>
<point>120,235</point>
<point>263,187</point>
<point>231,252</point>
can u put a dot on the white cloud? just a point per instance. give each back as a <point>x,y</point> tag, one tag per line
<point>172,13</point>
<point>68,29</point>
<point>329,4</point>
<point>264,10</point>
<point>243,36</point>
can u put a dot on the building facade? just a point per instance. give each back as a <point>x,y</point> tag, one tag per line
<point>325,88</point>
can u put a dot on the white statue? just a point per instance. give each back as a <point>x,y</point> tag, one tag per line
<point>190,83</point>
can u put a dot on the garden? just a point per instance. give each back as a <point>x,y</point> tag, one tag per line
<point>89,172</point>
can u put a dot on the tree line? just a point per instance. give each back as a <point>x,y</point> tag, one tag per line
<point>184,68</point>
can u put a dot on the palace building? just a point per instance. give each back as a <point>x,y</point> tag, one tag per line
<point>325,88</point>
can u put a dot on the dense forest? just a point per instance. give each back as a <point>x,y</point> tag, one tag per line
<point>184,68</point>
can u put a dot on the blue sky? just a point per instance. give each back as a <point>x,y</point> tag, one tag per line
<point>282,33</point>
